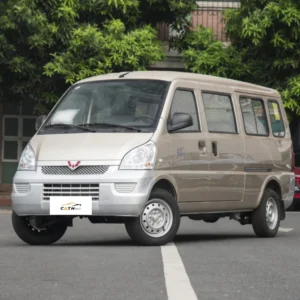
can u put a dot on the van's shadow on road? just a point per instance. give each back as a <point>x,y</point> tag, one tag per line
<point>214,237</point>
<point>180,239</point>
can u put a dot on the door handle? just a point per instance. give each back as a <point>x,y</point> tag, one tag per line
<point>214,148</point>
<point>202,147</point>
<point>201,144</point>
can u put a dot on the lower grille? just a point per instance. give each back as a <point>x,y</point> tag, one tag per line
<point>82,170</point>
<point>22,188</point>
<point>125,187</point>
<point>71,190</point>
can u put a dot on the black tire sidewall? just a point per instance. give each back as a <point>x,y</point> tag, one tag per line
<point>27,235</point>
<point>259,222</point>
<point>136,232</point>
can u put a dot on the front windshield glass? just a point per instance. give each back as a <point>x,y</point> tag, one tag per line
<point>106,106</point>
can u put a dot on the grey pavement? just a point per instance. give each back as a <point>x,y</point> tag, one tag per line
<point>222,261</point>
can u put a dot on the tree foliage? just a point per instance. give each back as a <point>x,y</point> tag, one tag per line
<point>47,44</point>
<point>92,51</point>
<point>205,55</point>
<point>265,42</point>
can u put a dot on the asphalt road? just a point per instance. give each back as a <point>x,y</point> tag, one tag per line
<point>207,262</point>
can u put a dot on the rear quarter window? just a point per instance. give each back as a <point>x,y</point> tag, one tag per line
<point>276,119</point>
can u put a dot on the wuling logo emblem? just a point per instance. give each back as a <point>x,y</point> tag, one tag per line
<point>73,165</point>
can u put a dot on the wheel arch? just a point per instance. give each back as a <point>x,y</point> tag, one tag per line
<point>167,185</point>
<point>274,184</point>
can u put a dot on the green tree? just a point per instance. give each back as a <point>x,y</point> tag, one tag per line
<point>203,54</point>
<point>265,40</point>
<point>45,45</point>
<point>92,51</point>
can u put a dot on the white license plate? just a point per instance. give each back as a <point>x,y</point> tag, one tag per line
<point>70,205</point>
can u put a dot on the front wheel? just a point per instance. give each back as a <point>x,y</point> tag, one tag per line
<point>33,231</point>
<point>266,218</point>
<point>158,223</point>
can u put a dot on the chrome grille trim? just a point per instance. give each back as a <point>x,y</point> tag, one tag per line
<point>81,170</point>
<point>69,190</point>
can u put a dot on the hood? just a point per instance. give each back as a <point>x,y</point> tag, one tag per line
<point>86,146</point>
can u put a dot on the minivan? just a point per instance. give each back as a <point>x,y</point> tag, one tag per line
<point>146,148</point>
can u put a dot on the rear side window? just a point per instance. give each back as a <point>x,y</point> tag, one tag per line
<point>184,102</point>
<point>276,119</point>
<point>254,115</point>
<point>219,113</point>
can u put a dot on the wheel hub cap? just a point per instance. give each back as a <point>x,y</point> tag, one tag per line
<point>157,218</point>
<point>271,213</point>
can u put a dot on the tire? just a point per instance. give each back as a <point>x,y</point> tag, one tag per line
<point>30,235</point>
<point>163,206</point>
<point>262,225</point>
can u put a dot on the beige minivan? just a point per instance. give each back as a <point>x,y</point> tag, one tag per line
<point>147,148</point>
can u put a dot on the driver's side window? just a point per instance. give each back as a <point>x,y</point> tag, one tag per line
<point>184,102</point>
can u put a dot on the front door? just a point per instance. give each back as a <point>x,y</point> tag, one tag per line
<point>227,153</point>
<point>188,150</point>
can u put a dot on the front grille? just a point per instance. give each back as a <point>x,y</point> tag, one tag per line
<point>69,190</point>
<point>82,170</point>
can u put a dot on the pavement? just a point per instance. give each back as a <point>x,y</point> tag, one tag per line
<point>206,262</point>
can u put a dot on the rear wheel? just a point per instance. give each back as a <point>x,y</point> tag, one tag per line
<point>266,218</point>
<point>159,221</point>
<point>34,231</point>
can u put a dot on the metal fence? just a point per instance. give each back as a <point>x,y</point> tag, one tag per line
<point>209,14</point>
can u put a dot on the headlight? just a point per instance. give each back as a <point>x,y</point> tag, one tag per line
<point>140,158</point>
<point>27,160</point>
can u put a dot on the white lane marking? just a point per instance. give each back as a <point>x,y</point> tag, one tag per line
<point>178,284</point>
<point>281,229</point>
<point>5,212</point>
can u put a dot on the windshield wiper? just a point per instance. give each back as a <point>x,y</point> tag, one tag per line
<point>111,125</point>
<point>70,126</point>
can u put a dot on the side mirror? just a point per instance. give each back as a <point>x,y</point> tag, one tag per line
<point>39,121</point>
<point>180,121</point>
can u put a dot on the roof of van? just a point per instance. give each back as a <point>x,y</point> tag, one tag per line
<point>173,75</point>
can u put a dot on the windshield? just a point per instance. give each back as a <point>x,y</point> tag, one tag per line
<point>109,106</point>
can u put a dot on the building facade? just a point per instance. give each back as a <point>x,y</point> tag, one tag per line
<point>210,15</point>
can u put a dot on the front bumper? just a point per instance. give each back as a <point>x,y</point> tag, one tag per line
<point>121,192</point>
